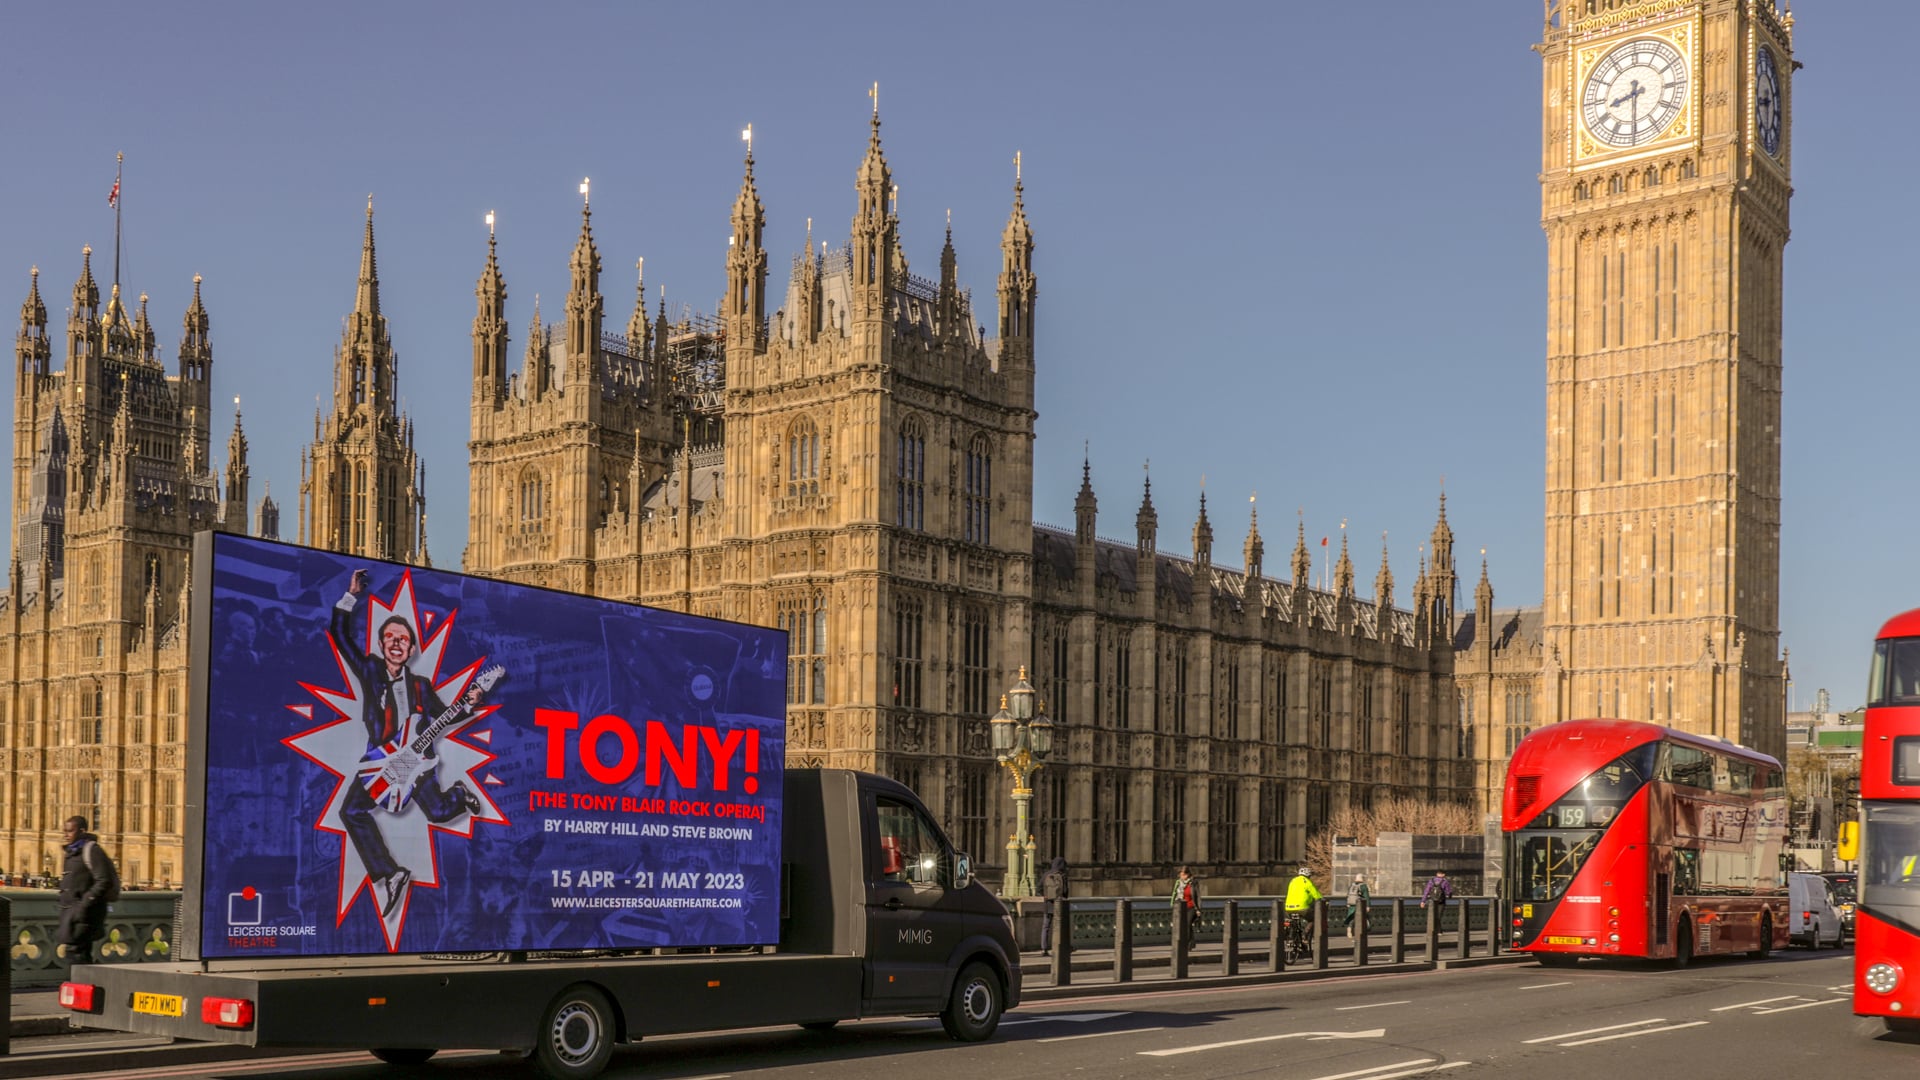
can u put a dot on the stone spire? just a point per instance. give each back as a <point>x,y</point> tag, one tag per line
<point>1445,584</point>
<point>747,266</point>
<point>639,331</point>
<point>874,228</point>
<point>1383,581</point>
<point>1483,603</point>
<point>949,304</point>
<point>586,308</point>
<point>1302,558</point>
<point>367,298</point>
<point>143,331</point>
<point>1147,522</point>
<point>1343,570</point>
<point>234,510</point>
<point>31,347</point>
<point>1253,549</point>
<point>365,375</point>
<point>1085,506</point>
<point>1018,290</point>
<point>196,347</point>
<point>1203,534</point>
<point>490,327</point>
<point>538,372</point>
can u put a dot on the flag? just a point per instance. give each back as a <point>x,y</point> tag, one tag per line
<point>1323,541</point>
<point>113,197</point>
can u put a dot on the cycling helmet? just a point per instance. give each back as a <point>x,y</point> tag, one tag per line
<point>1304,870</point>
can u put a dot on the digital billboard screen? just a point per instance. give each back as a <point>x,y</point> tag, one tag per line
<point>405,760</point>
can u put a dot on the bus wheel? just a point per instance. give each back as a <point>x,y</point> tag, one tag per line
<point>973,1012</point>
<point>1766,937</point>
<point>1683,945</point>
<point>408,1055</point>
<point>576,1035</point>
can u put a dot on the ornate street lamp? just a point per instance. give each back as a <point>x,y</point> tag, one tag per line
<point>1022,741</point>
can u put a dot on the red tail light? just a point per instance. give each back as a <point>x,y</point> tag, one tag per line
<point>226,1012</point>
<point>80,997</point>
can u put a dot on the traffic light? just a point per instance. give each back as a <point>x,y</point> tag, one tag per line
<point>1848,849</point>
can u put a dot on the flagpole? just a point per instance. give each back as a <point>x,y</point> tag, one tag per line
<point>119,163</point>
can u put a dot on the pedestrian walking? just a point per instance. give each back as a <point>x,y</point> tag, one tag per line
<point>1053,889</point>
<point>1438,888</point>
<point>1185,901</point>
<point>1358,896</point>
<point>88,883</point>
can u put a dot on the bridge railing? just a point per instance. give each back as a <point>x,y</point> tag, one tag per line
<point>141,928</point>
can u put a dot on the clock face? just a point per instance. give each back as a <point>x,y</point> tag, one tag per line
<point>1634,93</point>
<point>1766,102</point>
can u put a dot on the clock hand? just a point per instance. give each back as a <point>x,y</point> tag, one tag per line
<point>1628,96</point>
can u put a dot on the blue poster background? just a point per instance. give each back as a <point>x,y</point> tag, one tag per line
<point>281,877</point>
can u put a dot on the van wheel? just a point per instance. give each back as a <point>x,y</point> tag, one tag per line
<point>1683,945</point>
<point>408,1055</point>
<point>576,1035</point>
<point>973,1012</point>
<point>1766,937</point>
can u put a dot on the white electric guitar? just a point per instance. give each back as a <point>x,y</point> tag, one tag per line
<point>389,770</point>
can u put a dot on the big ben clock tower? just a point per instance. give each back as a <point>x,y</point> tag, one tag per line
<point>1664,189</point>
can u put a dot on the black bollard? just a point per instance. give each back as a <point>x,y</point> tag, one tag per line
<point>1360,920</point>
<point>1277,936</point>
<point>1060,967</point>
<point>1431,910</point>
<point>1320,934</point>
<point>1181,939</point>
<point>1230,939</point>
<point>1122,941</point>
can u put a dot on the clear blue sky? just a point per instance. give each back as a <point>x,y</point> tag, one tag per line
<point>1293,247</point>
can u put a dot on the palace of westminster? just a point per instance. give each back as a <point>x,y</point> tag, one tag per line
<point>857,470</point>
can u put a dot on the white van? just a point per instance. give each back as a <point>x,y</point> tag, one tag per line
<point>1814,918</point>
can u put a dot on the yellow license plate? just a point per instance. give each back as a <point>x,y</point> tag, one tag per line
<point>1565,941</point>
<point>160,1004</point>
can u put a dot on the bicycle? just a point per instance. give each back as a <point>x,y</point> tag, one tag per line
<point>1298,947</point>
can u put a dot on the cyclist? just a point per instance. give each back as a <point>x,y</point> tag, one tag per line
<point>1301,896</point>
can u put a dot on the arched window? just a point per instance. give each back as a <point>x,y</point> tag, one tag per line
<point>979,491</point>
<point>360,507</point>
<point>804,618</point>
<point>910,476</point>
<point>533,500</point>
<point>803,459</point>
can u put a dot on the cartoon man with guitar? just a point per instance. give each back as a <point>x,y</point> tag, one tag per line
<point>404,718</point>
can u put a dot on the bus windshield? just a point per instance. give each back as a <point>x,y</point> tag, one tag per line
<point>1550,851</point>
<point>1545,862</point>
<point>1890,861</point>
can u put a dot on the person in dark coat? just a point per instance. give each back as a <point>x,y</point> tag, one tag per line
<point>85,878</point>
<point>1053,888</point>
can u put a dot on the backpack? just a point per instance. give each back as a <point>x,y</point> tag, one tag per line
<point>1053,885</point>
<point>111,876</point>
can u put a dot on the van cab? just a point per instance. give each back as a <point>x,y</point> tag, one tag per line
<point>1845,882</point>
<point>1813,919</point>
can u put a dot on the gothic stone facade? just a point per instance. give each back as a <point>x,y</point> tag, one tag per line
<point>110,481</point>
<point>857,470</point>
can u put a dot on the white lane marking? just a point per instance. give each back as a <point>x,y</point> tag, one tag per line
<point>1543,986</point>
<point>1375,1005</point>
<point>1062,1018</point>
<point>1374,1034</point>
<point>1417,1070</point>
<point>1369,1072</point>
<point>1762,1001</point>
<point>1808,1005</point>
<point>1847,989</point>
<point>1593,1031</point>
<point>1101,1034</point>
<point>1636,1034</point>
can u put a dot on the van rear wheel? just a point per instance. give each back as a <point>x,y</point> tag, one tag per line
<point>576,1035</point>
<point>973,1011</point>
<point>403,1055</point>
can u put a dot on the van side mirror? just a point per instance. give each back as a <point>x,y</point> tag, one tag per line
<point>962,870</point>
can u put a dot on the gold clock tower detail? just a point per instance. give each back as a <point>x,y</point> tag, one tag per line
<point>1664,189</point>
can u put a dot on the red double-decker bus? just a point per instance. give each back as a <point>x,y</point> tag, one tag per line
<point>1886,918</point>
<point>1630,839</point>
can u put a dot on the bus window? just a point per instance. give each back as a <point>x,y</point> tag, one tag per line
<point>1686,872</point>
<point>1895,678</point>
<point>1689,765</point>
